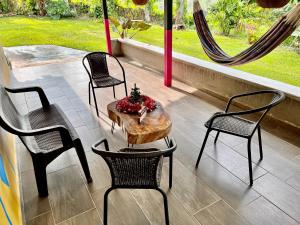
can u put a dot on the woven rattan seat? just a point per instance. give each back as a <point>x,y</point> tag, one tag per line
<point>46,132</point>
<point>234,123</point>
<point>107,81</point>
<point>99,74</point>
<point>50,116</point>
<point>135,168</point>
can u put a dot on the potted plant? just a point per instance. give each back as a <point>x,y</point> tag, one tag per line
<point>140,2</point>
<point>126,28</point>
<point>272,3</point>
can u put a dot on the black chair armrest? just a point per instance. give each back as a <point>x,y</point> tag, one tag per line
<point>239,113</point>
<point>39,90</point>
<point>172,147</point>
<point>166,152</point>
<point>94,147</point>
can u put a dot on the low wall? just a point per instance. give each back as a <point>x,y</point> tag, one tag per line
<point>219,81</point>
<point>10,195</point>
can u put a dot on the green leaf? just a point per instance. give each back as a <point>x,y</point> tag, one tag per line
<point>114,21</point>
<point>143,26</point>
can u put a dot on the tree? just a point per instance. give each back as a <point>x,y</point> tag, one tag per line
<point>147,11</point>
<point>180,12</point>
<point>135,94</point>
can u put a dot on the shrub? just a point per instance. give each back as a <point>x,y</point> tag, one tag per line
<point>93,7</point>
<point>31,6</point>
<point>57,9</point>
<point>3,7</point>
<point>254,31</point>
<point>225,14</point>
<point>6,6</point>
<point>294,40</point>
<point>189,21</point>
<point>96,11</point>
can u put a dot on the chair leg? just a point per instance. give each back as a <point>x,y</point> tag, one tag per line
<point>114,92</point>
<point>40,176</point>
<point>217,136</point>
<point>165,205</point>
<point>89,92</point>
<point>125,85</point>
<point>82,158</point>
<point>106,205</point>
<point>95,100</point>
<point>250,162</point>
<point>167,141</point>
<point>170,171</point>
<point>112,127</point>
<point>202,148</point>
<point>260,143</point>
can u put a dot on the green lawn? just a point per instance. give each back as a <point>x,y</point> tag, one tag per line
<point>88,34</point>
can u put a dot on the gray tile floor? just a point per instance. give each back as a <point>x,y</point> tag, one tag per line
<point>216,193</point>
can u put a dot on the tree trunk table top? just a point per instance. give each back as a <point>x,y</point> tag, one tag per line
<point>156,125</point>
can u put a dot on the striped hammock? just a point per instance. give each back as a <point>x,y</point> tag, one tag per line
<point>268,42</point>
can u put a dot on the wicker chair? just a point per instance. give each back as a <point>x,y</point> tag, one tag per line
<point>46,133</point>
<point>136,169</point>
<point>232,123</point>
<point>99,74</point>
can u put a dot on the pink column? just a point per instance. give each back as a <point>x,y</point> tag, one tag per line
<point>168,58</point>
<point>168,23</point>
<point>107,33</point>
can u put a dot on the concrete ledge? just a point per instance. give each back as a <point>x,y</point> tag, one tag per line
<point>219,81</point>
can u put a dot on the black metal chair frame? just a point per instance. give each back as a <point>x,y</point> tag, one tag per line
<point>92,84</point>
<point>134,154</point>
<point>278,97</point>
<point>42,159</point>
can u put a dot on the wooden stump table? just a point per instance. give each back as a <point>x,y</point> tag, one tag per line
<point>156,125</point>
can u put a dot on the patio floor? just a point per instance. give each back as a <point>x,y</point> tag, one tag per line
<point>214,194</point>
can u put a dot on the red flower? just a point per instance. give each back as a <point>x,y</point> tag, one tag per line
<point>126,106</point>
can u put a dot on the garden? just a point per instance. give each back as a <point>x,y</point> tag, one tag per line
<point>236,24</point>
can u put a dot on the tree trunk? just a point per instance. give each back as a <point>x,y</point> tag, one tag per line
<point>42,11</point>
<point>147,13</point>
<point>179,23</point>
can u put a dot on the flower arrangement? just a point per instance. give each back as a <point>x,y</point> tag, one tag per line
<point>134,103</point>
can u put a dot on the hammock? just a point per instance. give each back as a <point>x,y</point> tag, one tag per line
<point>269,41</point>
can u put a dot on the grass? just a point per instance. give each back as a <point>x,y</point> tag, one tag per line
<point>88,34</point>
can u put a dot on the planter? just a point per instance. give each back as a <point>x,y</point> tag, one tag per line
<point>272,3</point>
<point>140,2</point>
<point>116,48</point>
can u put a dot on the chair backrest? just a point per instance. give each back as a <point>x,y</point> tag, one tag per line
<point>10,118</point>
<point>277,97</point>
<point>136,168</point>
<point>98,64</point>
